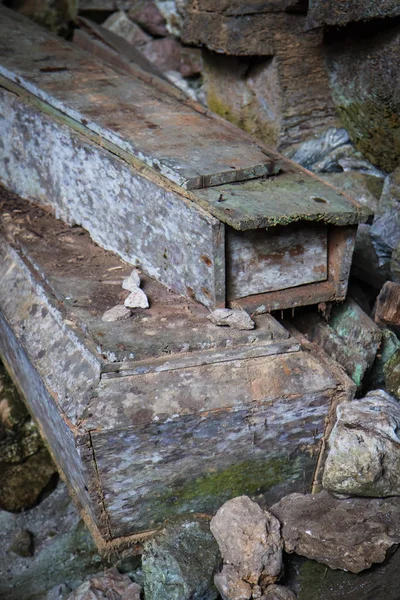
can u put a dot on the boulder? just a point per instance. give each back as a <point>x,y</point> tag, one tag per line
<point>278,592</point>
<point>110,585</point>
<point>387,306</point>
<point>385,230</point>
<point>390,345</point>
<point>364,77</point>
<point>146,14</point>
<point>25,464</point>
<point>180,561</point>
<point>392,374</point>
<point>349,534</point>
<point>251,546</point>
<point>364,450</point>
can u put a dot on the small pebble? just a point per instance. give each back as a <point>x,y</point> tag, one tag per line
<point>132,282</point>
<point>137,299</point>
<point>116,313</point>
<point>236,318</point>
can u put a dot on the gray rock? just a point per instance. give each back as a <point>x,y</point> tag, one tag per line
<point>65,553</point>
<point>365,189</point>
<point>349,534</point>
<point>316,149</point>
<point>147,15</point>
<point>385,230</point>
<point>364,450</point>
<point>137,299</point>
<point>236,318</point>
<point>391,372</point>
<point>179,562</point>
<point>22,543</point>
<point>250,543</point>
<point>116,313</point>
<point>278,592</point>
<point>110,585</point>
<point>365,260</point>
<point>132,282</point>
<point>389,346</point>
<point>25,464</point>
<point>123,26</point>
<point>58,592</point>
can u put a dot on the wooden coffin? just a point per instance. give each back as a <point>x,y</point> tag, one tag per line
<point>191,199</point>
<point>163,413</point>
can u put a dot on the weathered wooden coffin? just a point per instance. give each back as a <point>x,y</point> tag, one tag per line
<point>194,201</point>
<point>160,414</point>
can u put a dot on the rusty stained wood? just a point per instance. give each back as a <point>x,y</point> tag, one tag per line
<point>124,211</point>
<point>188,147</point>
<point>264,261</point>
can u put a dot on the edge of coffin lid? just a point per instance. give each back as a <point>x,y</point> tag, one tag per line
<point>189,147</point>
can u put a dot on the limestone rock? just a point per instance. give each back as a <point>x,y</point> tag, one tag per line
<point>179,562</point>
<point>350,337</point>
<point>364,450</point>
<point>392,374</point>
<point>278,592</point>
<point>132,282</point>
<point>365,260</point>
<point>108,586</point>
<point>116,313</point>
<point>22,543</point>
<point>236,318</point>
<point>385,230</point>
<point>390,345</point>
<point>349,534</point>
<point>364,79</point>
<point>25,465</point>
<point>137,299</point>
<point>387,306</point>
<point>250,543</point>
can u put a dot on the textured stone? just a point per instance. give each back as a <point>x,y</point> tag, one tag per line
<point>147,15</point>
<point>22,543</point>
<point>250,543</point>
<point>364,450</point>
<point>25,465</point>
<point>278,592</point>
<point>349,534</point>
<point>110,585</point>
<point>392,374</point>
<point>122,25</point>
<point>236,318</point>
<point>365,264</point>
<point>385,230</point>
<point>132,282</point>
<point>387,306</point>
<point>389,347</point>
<point>116,313</point>
<point>364,78</point>
<point>334,12</point>
<point>180,561</point>
<point>365,189</point>
<point>137,299</point>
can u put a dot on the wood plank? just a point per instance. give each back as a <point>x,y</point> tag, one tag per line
<point>284,257</point>
<point>186,146</point>
<point>288,197</point>
<point>122,209</point>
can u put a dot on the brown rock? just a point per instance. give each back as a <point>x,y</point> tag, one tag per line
<point>147,15</point>
<point>349,534</point>
<point>387,307</point>
<point>278,592</point>
<point>109,586</point>
<point>250,543</point>
<point>334,12</point>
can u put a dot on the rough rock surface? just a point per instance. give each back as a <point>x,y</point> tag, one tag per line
<point>146,14</point>
<point>364,450</point>
<point>251,545</point>
<point>332,12</point>
<point>132,282</point>
<point>390,346</point>
<point>110,585</point>
<point>22,543</point>
<point>236,318</point>
<point>387,306</point>
<point>278,592</point>
<point>64,551</point>
<point>365,84</point>
<point>137,299</point>
<point>25,464</point>
<point>349,534</point>
<point>392,375</point>
<point>385,230</point>
<point>179,563</point>
<point>116,313</point>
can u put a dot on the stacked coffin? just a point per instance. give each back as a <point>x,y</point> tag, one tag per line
<point>161,413</point>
